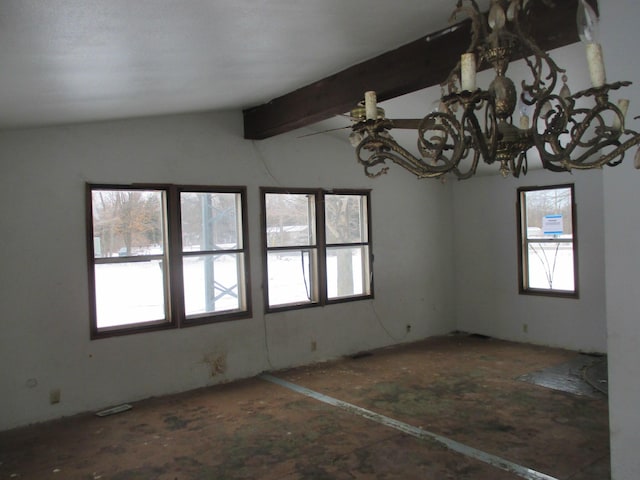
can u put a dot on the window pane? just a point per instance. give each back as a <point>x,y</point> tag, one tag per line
<point>129,293</point>
<point>127,223</point>
<point>548,213</point>
<point>291,275</point>
<point>551,266</point>
<point>213,283</point>
<point>290,219</point>
<point>346,218</point>
<point>548,252</point>
<point>347,272</point>
<point>210,221</point>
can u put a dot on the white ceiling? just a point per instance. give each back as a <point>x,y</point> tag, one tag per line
<point>67,61</point>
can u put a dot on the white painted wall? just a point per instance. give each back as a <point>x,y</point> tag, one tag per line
<point>486,259</point>
<point>43,287</point>
<point>620,38</point>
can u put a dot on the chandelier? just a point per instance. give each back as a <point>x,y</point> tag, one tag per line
<point>568,131</point>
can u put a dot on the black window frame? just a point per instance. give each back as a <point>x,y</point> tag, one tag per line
<point>523,243</point>
<point>173,272</point>
<point>320,245</point>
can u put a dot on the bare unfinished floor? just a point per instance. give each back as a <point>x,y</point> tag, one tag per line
<point>453,407</point>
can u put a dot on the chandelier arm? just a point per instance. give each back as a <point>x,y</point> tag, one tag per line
<point>522,165</point>
<point>477,143</point>
<point>560,113</point>
<point>566,129</point>
<point>552,167</point>
<point>612,158</point>
<point>592,120</point>
<point>491,129</point>
<point>480,140</point>
<point>538,89</point>
<point>555,124</point>
<point>460,138</point>
<point>527,46</point>
<point>382,149</point>
<point>445,125</point>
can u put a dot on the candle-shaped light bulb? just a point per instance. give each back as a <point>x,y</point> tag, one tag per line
<point>437,134</point>
<point>525,111</point>
<point>435,105</point>
<point>588,24</point>
<point>497,17</point>
<point>623,106</point>
<point>371,105</point>
<point>438,106</point>
<point>468,72</point>
<point>596,65</point>
<point>589,33</point>
<point>512,10</point>
<point>355,138</point>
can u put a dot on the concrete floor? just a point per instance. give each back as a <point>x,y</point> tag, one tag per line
<point>445,408</point>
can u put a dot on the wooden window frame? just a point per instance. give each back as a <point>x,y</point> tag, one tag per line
<point>173,254</point>
<point>523,243</point>
<point>320,246</point>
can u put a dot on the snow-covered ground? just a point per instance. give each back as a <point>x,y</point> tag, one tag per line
<point>128,293</point>
<point>541,266</point>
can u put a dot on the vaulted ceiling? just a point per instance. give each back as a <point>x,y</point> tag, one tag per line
<point>64,61</point>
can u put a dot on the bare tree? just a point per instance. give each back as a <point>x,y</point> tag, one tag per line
<point>127,219</point>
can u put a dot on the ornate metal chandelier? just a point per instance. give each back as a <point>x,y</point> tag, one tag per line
<point>472,125</point>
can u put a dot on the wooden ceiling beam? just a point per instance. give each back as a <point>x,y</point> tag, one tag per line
<point>420,64</point>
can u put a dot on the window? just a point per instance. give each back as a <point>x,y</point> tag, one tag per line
<point>347,241</point>
<point>165,257</point>
<point>317,247</point>
<point>213,256</point>
<point>548,247</point>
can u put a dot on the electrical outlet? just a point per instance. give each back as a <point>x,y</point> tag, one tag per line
<point>54,396</point>
<point>314,346</point>
<point>408,328</point>
<point>525,328</point>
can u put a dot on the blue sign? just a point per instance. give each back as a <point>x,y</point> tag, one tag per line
<point>552,225</point>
